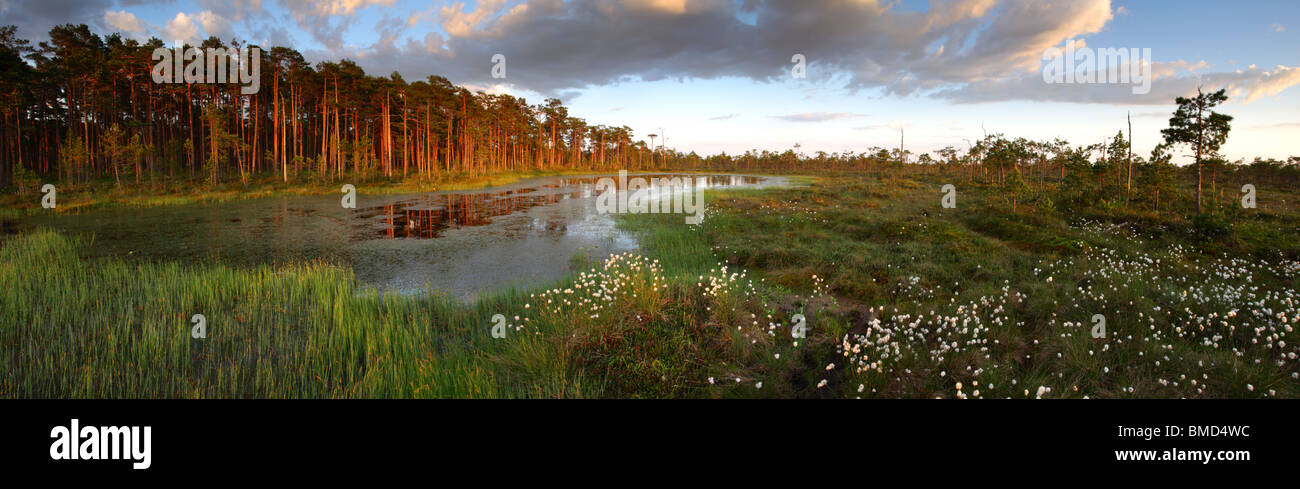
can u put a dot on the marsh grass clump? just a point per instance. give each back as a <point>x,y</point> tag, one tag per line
<point>637,331</point>
<point>74,327</point>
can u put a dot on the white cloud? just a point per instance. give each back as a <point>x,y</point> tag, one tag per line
<point>1162,69</point>
<point>1267,84</point>
<point>327,20</point>
<point>215,25</point>
<point>347,7</point>
<point>124,22</point>
<point>232,9</point>
<point>330,7</point>
<point>487,19</point>
<point>495,89</point>
<point>181,27</point>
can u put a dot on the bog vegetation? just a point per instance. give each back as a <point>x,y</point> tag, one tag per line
<point>899,295</point>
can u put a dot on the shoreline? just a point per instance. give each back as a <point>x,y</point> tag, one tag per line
<point>106,195</point>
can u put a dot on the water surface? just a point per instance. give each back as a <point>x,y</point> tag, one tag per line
<point>457,243</point>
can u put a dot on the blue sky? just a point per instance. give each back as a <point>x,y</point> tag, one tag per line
<point>713,74</point>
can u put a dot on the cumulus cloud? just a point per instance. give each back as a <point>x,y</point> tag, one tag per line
<point>460,23</point>
<point>1255,84</point>
<point>235,10</point>
<point>181,27</point>
<point>328,20</point>
<point>963,50</point>
<point>124,22</point>
<point>556,45</point>
<point>1172,68</point>
<point>215,25</point>
<point>347,7</point>
<point>1013,41</point>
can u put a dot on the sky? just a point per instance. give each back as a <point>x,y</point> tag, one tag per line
<point>717,75</point>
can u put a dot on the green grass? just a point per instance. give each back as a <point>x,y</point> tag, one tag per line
<point>903,297</point>
<point>108,328</point>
